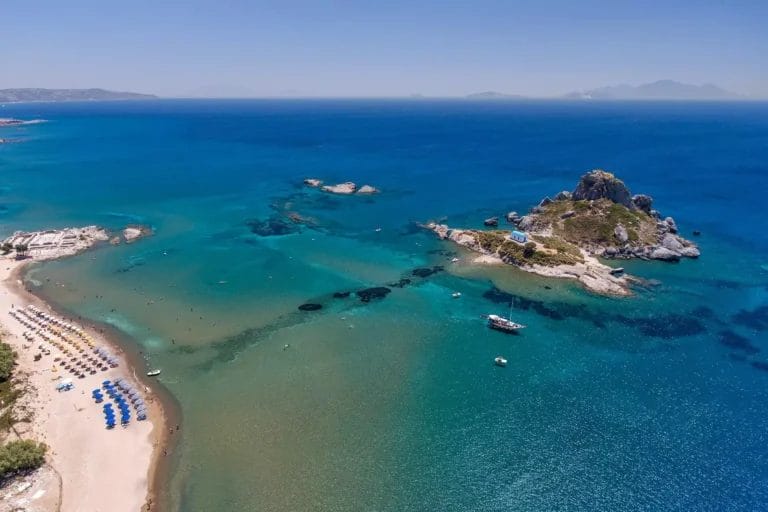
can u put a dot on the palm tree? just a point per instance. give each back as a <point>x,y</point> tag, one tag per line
<point>6,247</point>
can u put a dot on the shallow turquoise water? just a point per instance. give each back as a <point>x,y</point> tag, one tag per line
<point>653,402</point>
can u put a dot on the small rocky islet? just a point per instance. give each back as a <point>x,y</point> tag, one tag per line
<point>563,236</point>
<point>346,188</point>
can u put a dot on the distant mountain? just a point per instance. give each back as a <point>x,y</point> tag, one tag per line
<point>492,95</point>
<point>660,90</point>
<point>23,95</point>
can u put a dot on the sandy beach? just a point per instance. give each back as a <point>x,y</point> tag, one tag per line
<point>99,469</point>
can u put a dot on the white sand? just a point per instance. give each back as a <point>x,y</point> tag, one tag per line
<point>101,470</point>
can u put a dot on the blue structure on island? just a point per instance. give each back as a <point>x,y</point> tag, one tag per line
<point>519,236</point>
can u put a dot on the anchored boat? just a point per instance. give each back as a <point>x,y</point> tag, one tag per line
<point>504,324</point>
<point>153,373</point>
<point>500,361</point>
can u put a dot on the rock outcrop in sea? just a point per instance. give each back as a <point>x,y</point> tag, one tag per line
<point>346,188</point>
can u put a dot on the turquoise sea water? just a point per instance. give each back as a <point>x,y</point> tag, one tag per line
<point>654,402</point>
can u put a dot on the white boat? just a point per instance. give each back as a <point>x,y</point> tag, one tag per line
<point>456,295</point>
<point>153,373</point>
<point>500,361</point>
<point>504,324</point>
<point>454,260</point>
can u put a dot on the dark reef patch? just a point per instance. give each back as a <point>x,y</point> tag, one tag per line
<point>665,326</point>
<point>516,301</point>
<point>304,201</point>
<point>401,283</point>
<point>341,295</point>
<point>737,342</point>
<point>130,266</point>
<point>760,365</point>
<point>377,292</point>
<point>426,272</point>
<point>756,319</point>
<point>725,284</point>
<point>661,326</point>
<point>310,306</point>
<point>273,226</point>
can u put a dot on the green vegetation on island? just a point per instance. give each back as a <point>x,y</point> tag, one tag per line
<point>563,236</point>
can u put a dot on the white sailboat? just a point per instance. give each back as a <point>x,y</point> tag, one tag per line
<point>504,324</point>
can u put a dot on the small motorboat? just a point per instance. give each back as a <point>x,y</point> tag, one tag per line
<point>454,260</point>
<point>153,373</point>
<point>456,295</point>
<point>500,361</point>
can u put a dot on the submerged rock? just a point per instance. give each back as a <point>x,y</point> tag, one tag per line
<point>313,182</point>
<point>273,226</point>
<point>491,221</point>
<point>377,292</point>
<point>310,307</point>
<point>341,295</point>
<point>426,272</point>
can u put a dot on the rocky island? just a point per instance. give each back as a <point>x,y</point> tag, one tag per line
<point>346,188</point>
<point>563,236</point>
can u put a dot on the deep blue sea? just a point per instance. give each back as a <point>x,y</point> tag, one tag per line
<point>654,402</point>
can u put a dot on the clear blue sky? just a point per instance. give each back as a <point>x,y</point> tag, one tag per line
<point>384,48</point>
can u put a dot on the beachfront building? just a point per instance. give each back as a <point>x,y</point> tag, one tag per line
<point>518,236</point>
